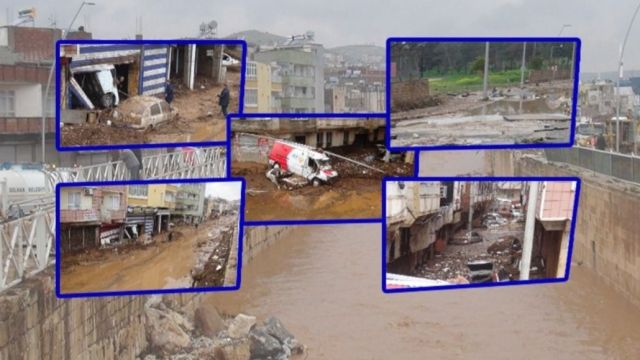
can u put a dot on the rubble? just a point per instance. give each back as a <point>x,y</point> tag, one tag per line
<point>172,336</point>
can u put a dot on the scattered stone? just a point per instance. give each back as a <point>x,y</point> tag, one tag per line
<point>164,332</point>
<point>241,325</point>
<point>208,321</point>
<point>229,349</point>
<point>265,346</point>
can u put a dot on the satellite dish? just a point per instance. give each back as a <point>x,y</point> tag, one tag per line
<point>213,25</point>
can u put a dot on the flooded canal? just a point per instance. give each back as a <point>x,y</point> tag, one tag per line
<point>324,283</point>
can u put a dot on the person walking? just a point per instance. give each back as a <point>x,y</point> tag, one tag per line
<point>224,98</point>
<point>168,92</point>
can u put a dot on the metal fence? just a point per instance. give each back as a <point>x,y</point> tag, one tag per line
<point>27,243</point>
<point>621,166</point>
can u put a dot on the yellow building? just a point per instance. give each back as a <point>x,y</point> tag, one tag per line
<point>138,196</point>
<point>263,88</point>
<point>162,196</point>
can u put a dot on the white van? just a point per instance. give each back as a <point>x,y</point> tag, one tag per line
<point>303,161</point>
<point>99,83</point>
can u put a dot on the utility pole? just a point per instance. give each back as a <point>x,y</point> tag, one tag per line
<point>45,94</point>
<point>626,36</point>
<point>470,225</point>
<point>522,69</point>
<point>485,82</point>
<point>529,227</point>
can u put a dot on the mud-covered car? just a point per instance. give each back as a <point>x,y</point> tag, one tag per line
<point>143,112</point>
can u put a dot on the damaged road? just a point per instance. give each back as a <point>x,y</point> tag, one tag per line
<point>537,114</point>
<point>356,193</point>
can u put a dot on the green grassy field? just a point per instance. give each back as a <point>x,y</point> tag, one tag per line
<point>472,82</point>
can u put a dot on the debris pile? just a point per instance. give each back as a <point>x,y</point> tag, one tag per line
<point>212,256</point>
<point>205,334</point>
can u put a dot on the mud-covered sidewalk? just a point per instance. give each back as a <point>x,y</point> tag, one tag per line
<point>199,119</point>
<point>161,264</point>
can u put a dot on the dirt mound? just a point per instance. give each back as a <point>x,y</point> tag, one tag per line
<point>100,134</point>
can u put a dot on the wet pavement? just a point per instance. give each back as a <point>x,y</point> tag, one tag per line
<point>348,197</point>
<point>159,265</point>
<point>325,284</point>
<point>543,116</point>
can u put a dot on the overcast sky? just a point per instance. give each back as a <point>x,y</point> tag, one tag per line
<point>226,190</point>
<point>600,24</point>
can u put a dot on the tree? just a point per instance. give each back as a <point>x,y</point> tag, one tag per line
<point>477,65</point>
<point>536,63</point>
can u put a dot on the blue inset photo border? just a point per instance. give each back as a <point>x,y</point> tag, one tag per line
<point>241,223</point>
<point>574,220</point>
<point>266,117</point>
<point>63,42</point>
<point>574,100</point>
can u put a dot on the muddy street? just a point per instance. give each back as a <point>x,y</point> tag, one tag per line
<point>162,264</point>
<point>346,198</point>
<point>324,283</point>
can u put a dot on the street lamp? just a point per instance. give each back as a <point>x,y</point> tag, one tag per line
<point>626,36</point>
<point>45,96</point>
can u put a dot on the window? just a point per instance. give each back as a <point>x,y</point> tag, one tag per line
<point>328,138</point>
<point>319,140</point>
<point>74,200</point>
<point>169,197</point>
<point>7,103</point>
<point>251,97</point>
<point>251,70</point>
<point>138,190</point>
<point>112,202</point>
<point>155,109</point>
<point>345,138</point>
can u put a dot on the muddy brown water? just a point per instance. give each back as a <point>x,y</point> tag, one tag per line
<point>324,283</point>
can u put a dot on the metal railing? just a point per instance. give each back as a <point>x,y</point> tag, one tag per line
<point>621,166</point>
<point>206,162</point>
<point>27,242</point>
<point>26,246</point>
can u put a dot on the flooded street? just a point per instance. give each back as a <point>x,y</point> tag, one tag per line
<point>160,265</point>
<point>347,198</point>
<point>325,284</point>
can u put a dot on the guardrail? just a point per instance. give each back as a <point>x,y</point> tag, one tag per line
<point>621,166</point>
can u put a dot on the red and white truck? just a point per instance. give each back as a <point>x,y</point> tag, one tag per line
<point>288,158</point>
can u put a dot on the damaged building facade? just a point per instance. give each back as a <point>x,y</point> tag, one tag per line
<point>91,217</point>
<point>102,75</point>
<point>422,216</point>
<point>316,132</point>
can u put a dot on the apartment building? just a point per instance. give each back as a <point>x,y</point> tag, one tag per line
<point>263,88</point>
<point>301,63</point>
<point>91,217</point>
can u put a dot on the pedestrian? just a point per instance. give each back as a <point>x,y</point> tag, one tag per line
<point>170,236</point>
<point>196,226</point>
<point>138,154</point>
<point>601,142</point>
<point>168,92</point>
<point>223,99</point>
<point>131,162</point>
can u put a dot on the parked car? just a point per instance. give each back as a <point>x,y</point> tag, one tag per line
<point>303,161</point>
<point>142,112</point>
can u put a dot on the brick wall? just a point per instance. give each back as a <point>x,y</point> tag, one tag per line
<point>606,238</point>
<point>33,43</point>
<point>409,93</point>
<point>19,126</point>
